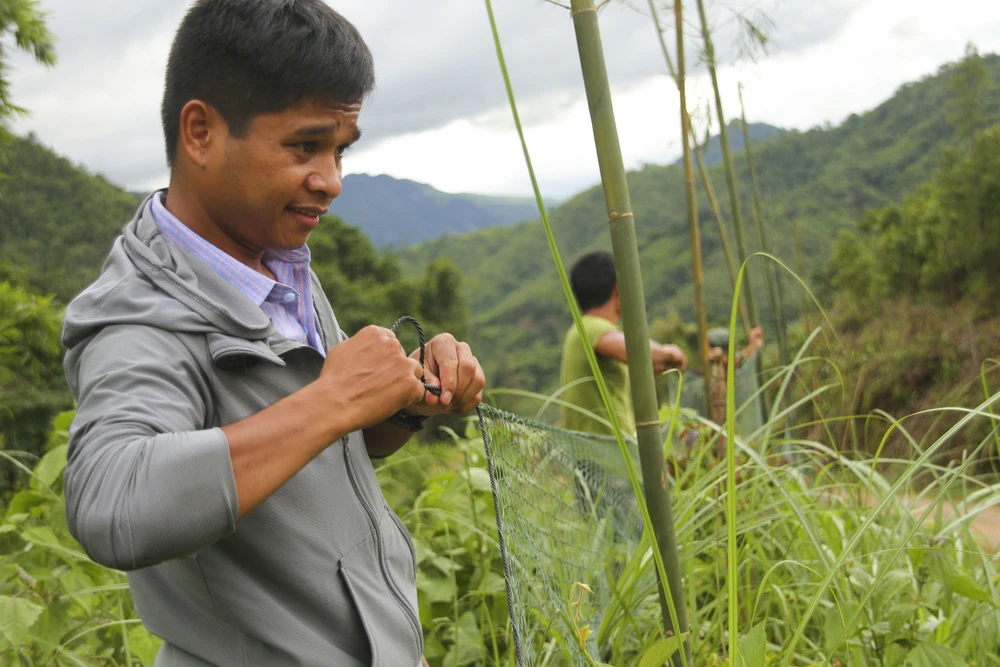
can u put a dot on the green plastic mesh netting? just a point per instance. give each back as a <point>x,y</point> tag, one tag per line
<point>567,515</point>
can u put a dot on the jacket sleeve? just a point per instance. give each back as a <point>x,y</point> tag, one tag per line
<point>145,480</point>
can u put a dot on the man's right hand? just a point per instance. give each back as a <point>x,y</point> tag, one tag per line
<point>372,377</point>
<point>364,381</point>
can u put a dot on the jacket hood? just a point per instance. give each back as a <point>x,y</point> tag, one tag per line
<point>147,280</point>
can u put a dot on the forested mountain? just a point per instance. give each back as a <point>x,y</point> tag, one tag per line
<point>401,212</point>
<point>826,178</point>
<point>57,220</point>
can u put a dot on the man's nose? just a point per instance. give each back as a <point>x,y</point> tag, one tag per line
<point>328,179</point>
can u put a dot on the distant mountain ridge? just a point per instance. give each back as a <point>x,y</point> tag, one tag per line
<point>400,212</point>
<point>759,133</point>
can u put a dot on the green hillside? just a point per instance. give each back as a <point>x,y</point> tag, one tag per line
<point>57,220</point>
<point>827,178</point>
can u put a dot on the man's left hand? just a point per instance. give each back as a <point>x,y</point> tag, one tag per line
<point>450,365</point>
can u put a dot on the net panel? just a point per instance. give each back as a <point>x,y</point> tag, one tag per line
<point>567,515</point>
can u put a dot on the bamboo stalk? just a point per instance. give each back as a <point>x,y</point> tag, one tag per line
<point>692,216</point>
<point>734,203</point>
<point>801,266</point>
<point>727,250</point>
<point>771,282</point>
<point>703,173</point>
<point>626,253</point>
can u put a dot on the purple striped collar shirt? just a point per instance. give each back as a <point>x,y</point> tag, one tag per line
<point>287,300</point>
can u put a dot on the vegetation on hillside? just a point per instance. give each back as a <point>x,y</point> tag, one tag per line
<point>915,288</point>
<point>827,178</point>
<point>838,564</point>
<point>58,219</point>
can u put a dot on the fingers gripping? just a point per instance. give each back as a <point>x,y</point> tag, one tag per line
<point>433,389</point>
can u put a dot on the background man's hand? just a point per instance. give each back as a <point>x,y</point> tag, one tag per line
<point>451,365</point>
<point>372,376</point>
<point>667,357</point>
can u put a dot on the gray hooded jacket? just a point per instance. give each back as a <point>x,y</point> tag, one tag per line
<point>162,353</point>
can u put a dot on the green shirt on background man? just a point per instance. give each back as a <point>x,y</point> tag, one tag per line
<point>584,394</point>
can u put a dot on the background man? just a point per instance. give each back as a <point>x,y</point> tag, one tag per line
<point>596,290</point>
<point>221,450</point>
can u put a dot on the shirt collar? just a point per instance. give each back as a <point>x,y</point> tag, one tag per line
<point>256,286</point>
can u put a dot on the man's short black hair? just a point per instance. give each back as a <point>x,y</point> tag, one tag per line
<point>248,57</point>
<point>593,279</point>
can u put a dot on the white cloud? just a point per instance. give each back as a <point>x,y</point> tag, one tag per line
<point>878,50</point>
<point>439,114</point>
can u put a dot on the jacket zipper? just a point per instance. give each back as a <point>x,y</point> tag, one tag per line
<point>397,595</point>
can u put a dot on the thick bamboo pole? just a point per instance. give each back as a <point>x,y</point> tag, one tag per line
<point>626,253</point>
<point>772,283</point>
<point>727,162</point>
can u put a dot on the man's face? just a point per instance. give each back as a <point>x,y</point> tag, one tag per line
<point>267,190</point>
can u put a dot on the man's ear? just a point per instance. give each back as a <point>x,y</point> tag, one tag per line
<point>201,130</point>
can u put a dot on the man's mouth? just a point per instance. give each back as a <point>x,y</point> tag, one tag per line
<point>311,212</point>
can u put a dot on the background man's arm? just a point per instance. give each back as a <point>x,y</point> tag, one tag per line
<point>665,357</point>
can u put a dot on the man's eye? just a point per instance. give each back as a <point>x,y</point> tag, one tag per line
<point>343,148</point>
<point>306,147</point>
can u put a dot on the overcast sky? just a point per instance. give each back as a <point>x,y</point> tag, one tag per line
<point>439,114</point>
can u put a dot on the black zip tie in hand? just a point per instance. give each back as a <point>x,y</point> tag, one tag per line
<point>434,389</point>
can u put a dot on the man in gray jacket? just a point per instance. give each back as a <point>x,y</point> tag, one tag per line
<point>222,445</point>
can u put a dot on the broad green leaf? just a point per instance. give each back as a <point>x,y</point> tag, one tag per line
<point>50,467</point>
<point>63,421</point>
<point>468,644</point>
<point>445,565</point>
<point>955,579</point>
<point>479,478</point>
<point>143,645</point>
<point>753,648</point>
<point>40,535</point>
<point>962,584</point>
<point>934,655</point>
<point>17,615</point>
<point>494,584</point>
<point>437,589</point>
<point>657,654</point>
<point>23,502</point>
<point>900,614</point>
<point>833,627</point>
